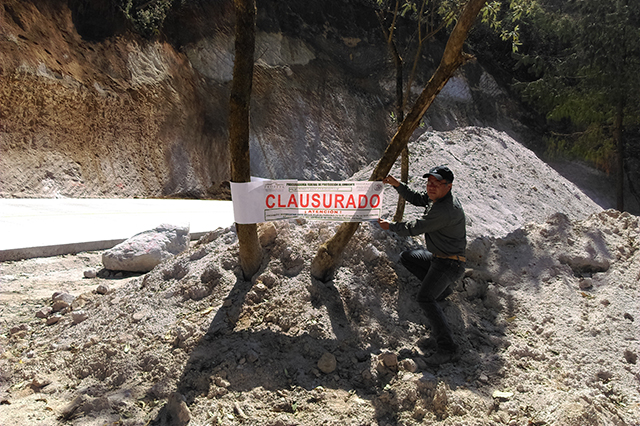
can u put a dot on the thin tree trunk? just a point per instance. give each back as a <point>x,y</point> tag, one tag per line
<point>404,165</point>
<point>239,108</point>
<point>330,252</point>
<point>404,177</point>
<point>617,137</point>
<point>397,61</point>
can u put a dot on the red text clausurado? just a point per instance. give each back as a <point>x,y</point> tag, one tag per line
<point>326,201</point>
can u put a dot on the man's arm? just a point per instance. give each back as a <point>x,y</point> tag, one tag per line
<point>391,181</point>
<point>413,197</point>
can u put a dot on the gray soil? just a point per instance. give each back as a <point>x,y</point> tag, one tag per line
<point>545,317</point>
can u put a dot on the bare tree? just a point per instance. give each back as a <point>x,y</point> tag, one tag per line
<point>239,108</point>
<point>453,57</point>
<point>398,62</point>
<point>426,28</point>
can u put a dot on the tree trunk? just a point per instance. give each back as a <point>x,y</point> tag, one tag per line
<point>404,177</point>
<point>617,137</point>
<point>250,249</point>
<point>329,253</point>
<point>404,165</point>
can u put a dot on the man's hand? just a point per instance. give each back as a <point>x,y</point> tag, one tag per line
<point>391,181</point>
<point>384,224</point>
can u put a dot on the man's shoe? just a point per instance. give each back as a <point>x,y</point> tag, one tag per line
<point>442,357</point>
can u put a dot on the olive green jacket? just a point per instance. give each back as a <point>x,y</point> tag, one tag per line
<point>443,222</point>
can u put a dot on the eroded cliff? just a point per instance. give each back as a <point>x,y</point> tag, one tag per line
<point>90,109</point>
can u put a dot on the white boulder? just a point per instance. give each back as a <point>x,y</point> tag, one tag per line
<point>144,251</point>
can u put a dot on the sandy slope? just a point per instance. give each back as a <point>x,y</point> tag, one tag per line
<point>545,316</point>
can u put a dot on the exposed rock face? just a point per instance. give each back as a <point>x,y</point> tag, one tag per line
<point>90,110</point>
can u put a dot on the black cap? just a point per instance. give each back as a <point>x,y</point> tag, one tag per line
<point>440,172</point>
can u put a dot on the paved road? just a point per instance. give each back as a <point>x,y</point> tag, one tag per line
<point>50,227</point>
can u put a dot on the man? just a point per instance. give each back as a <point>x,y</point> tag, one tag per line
<point>443,261</point>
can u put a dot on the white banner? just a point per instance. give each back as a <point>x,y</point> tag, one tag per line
<point>263,200</point>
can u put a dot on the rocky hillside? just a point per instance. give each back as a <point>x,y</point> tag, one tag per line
<point>91,110</point>
<point>545,316</point>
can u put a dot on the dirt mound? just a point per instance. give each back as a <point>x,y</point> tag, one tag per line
<point>545,316</point>
<point>501,184</point>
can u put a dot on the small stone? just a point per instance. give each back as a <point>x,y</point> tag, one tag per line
<point>267,233</point>
<point>102,289</point>
<point>59,305</point>
<point>71,408</point>
<point>211,275</point>
<point>409,365</point>
<point>502,395</point>
<point>585,284</point>
<point>389,359</point>
<point>78,303</point>
<point>18,329</point>
<point>371,253</point>
<point>139,316</point>
<point>54,319</point>
<point>269,279</point>
<point>239,411</point>
<point>40,381</point>
<point>630,356</point>
<point>146,250</point>
<point>483,378</point>
<point>327,363</point>
<point>260,288</point>
<point>472,287</point>
<point>93,340</point>
<point>79,316</point>
<point>44,312</point>
<point>198,292</point>
<point>252,356</point>
<point>20,334</point>
<point>63,296</point>
<point>90,273</point>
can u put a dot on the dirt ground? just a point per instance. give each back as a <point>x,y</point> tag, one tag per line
<point>545,316</point>
<point>28,285</point>
<point>548,336</point>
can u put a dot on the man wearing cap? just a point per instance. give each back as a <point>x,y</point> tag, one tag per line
<point>442,263</point>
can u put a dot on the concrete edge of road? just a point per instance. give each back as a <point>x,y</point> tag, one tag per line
<point>69,248</point>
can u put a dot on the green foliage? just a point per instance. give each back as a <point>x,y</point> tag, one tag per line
<point>583,59</point>
<point>432,11</point>
<point>146,16</point>
<point>504,17</point>
<point>592,145</point>
<point>499,17</point>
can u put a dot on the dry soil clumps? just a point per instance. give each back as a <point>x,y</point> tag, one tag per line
<point>545,317</point>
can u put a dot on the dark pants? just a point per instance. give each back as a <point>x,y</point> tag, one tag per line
<point>436,275</point>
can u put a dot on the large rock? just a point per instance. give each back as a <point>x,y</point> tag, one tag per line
<point>142,252</point>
